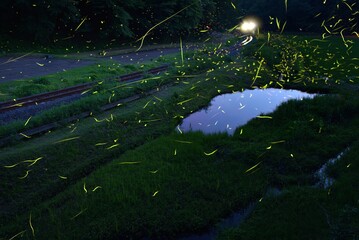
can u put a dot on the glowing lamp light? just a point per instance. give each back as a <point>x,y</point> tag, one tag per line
<point>249,25</point>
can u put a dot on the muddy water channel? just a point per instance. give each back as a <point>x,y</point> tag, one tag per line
<point>324,181</point>
<point>228,111</point>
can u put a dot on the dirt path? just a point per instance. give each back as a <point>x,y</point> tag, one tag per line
<point>31,66</point>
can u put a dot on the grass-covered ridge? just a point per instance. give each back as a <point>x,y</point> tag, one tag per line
<point>96,72</point>
<point>106,89</point>
<point>132,176</point>
<point>104,76</point>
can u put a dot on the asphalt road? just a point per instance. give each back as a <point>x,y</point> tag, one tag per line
<point>30,66</point>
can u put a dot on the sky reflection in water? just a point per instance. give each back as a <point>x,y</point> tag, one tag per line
<point>229,111</point>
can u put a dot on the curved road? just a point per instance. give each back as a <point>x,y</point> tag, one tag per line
<point>30,66</point>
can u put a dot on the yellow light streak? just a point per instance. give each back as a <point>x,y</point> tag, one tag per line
<point>98,187</point>
<point>180,103</point>
<point>67,139</point>
<point>32,228</point>
<point>11,166</point>
<point>78,214</point>
<point>84,187</point>
<point>281,141</point>
<point>181,46</point>
<point>142,39</point>
<point>234,6</point>
<point>100,144</point>
<point>186,142</point>
<point>278,23</point>
<point>113,146</point>
<point>211,153</point>
<point>264,117</point>
<point>26,174</point>
<point>20,233</point>
<point>257,73</point>
<point>285,23</point>
<point>341,34</point>
<point>32,161</point>
<point>146,104</point>
<point>15,59</point>
<point>128,163</point>
<point>81,23</point>
<point>24,135</point>
<point>250,169</point>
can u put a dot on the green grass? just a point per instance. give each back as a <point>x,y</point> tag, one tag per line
<point>162,186</point>
<point>99,95</point>
<point>126,127</point>
<point>94,73</point>
<point>106,91</point>
<point>133,176</point>
<point>187,179</point>
<point>307,212</point>
<point>307,63</point>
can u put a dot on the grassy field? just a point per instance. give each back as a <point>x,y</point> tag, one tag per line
<point>307,212</point>
<point>106,90</point>
<point>96,72</point>
<point>128,174</point>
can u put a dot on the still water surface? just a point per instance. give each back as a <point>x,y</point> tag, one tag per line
<point>228,111</point>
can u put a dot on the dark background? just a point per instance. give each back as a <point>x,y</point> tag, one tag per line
<point>47,21</point>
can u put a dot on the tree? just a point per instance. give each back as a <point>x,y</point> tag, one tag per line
<point>108,18</point>
<point>183,16</point>
<point>37,20</point>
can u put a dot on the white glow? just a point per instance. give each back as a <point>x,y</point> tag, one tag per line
<point>248,26</point>
<point>247,40</point>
